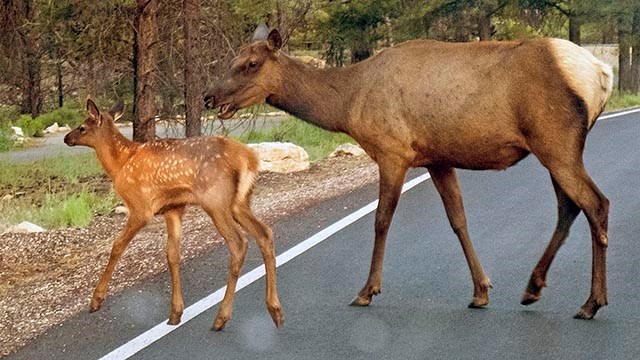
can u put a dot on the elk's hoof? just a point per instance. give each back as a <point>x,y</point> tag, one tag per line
<point>584,315</point>
<point>361,301</point>
<point>529,298</point>
<point>478,303</point>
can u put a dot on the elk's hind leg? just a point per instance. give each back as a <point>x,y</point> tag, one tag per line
<point>567,168</point>
<point>264,238</point>
<point>237,244</point>
<point>446,183</point>
<point>567,213</point>
<point>173,218</point>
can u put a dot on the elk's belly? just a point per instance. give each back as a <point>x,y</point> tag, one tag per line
<point>471,157</point>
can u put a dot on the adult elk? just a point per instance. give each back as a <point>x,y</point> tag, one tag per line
<point>165,176</point>
<point>443,106</point>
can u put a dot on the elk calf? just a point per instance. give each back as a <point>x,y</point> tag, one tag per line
<point>165,176</point>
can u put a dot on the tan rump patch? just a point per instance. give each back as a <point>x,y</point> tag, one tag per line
<point>589,77</point>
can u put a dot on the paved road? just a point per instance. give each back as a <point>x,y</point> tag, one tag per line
<point>53,145</point>
<point>422,312</point>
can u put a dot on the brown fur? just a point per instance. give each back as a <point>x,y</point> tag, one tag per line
<point>444,106</point>
<point>165,176</point>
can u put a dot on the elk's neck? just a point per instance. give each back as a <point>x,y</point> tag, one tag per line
<point>115,151</point>
<point>318,96</point>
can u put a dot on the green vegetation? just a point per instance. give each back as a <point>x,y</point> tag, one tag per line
<point>55,193</point>
<point>9,116</point>
<point>621,101</point>
<point>62,116</point>
<point>317,142</point>
<point>65,169</point>
<point>60,210</point>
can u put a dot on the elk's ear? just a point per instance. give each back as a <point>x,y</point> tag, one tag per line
<point>274,40</point>
<point>261,33</point>
<point>93,111</point>
<point>116,110</point>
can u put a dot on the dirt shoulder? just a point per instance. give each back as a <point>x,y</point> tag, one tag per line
<point>48,277</point>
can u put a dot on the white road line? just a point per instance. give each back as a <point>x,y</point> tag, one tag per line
<point>603,117</point>
<point>157,332</point>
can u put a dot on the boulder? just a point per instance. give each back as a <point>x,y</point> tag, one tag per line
<point>310,60</point>
<point>281,157</point>
<point>348,150</point>
<point>121,210</point>
<point>52,129</point>
<point>17,131</point>
<point>18,135</point>
<point>25,227</point>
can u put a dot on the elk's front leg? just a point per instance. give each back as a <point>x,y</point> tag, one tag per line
<point>392,174</point>
<point>134,224</point>
<point>173,219</point>
<point>446,183</point>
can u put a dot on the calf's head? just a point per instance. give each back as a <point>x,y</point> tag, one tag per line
<point>253,76</point>
<point>94,128</point>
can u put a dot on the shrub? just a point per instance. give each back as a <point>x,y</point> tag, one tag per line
<point>62,116</point>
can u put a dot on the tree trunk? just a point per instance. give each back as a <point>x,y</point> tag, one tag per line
<point>624,61</point>
<point>635,56</point>
<point>145,69</point>
<point>59,76</point>
<point>484,27</point>
<point>574,29</point>
<point>31,91</point>
<point>193,99</point>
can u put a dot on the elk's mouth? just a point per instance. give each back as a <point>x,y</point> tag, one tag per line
<point>227,111</point>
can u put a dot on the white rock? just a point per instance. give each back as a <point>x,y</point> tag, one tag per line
<point>25,227</point>
<point>65,128</point>
<point>121,210</point>
<point>17,131</point>
<point>52,129</point>
<point>348,150</point>
<point>281,157</point>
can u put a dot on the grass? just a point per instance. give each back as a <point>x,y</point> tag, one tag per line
<point>54,193</point>
<point>622,101</point>
<point>317,142</point>
<point>61,169</point>
<point>60,210</point>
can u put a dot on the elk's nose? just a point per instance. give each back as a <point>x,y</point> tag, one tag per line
<point>67,140</point>
<point>209,102</point>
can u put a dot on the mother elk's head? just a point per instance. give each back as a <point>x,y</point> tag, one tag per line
<point>252,77</point>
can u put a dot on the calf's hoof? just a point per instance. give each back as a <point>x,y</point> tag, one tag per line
<point>219,323</point>
<point>174,319</point>
<point>96,304</point>
<point>278,316</point>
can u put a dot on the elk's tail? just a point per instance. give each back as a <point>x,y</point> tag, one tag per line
<point>588,77</point>
<point>246,177</point>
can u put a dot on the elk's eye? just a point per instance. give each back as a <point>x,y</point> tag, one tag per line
<point>82,129</point>
<point>253,64</point>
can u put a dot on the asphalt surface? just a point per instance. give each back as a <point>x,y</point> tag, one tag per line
<point>422,311</point>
